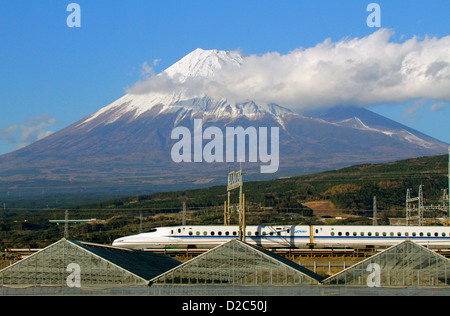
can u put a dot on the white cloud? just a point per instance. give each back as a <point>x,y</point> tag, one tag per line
<point>438,107</point>
<point>32,130</point>
<point>148,71</point>
<point>412,112</point>
<point>360,72</point>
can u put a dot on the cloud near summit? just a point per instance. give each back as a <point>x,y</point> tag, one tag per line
<point>359,72</point>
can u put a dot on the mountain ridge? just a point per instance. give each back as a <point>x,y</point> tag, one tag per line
<point>126,146</point>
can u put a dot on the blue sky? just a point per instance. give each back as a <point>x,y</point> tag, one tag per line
<point>52,76</point>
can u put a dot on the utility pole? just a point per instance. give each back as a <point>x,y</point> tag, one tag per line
<point>184,213</point>
<point>66,224</point>
<point>375,223</point>
<point>244,225</point>
<point>448,189</point>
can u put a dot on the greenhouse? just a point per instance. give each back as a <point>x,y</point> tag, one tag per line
<point>75,267</point>
<point>238,263</point>
<point>405,264</point>
<point>78,264</point>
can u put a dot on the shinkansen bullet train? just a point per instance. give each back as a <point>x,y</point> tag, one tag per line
<point>356,237</point>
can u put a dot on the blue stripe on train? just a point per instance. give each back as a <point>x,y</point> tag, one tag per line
<point>319,237</point>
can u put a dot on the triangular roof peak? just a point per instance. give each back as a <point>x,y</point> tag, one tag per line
<point>238,263</point>
<point>404,264</point>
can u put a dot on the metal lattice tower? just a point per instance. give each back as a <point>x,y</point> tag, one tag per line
<point>411,207</point>
<point>235,181</point>
<point>420,207</point>
<point>443,206</point>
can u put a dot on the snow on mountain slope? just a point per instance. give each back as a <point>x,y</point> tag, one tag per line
<point>365,120</point>
<point>195,68</point>
<point>403,134</point>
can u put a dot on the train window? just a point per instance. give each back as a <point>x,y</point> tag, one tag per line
<point>443,234</point>
<point>171,232</point>
<point>278,233</point>
<point>399,234</point>
<point>190,234</point>
<point>340,234</point>
<point>205,233</point>
<point>288,231</point>
<point>271,233</point>
<point>347,234</point>
<point>362,233</point>
<point>429,234</point>
<point>355,233</point>
<point>179,230</point>
<point>377,234</point>
<point>436,234</point>
<point>212,233</point>
<point>317,231</point>
<point>234,233</point>
<point>249,233</point>
<point>391,234</point>
<point>384,234</point>
<point>332,233</point>
<point>421,234</point>
<point>220,233</point>
<point>256,233</point>
<point>227,233</point>
<point>197,233</point>
<point>414,234</point>
<point>406,234</point>
<point>369,234</point>
<point>264,233</point>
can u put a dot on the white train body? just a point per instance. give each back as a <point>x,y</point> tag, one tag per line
<point>282,236</point>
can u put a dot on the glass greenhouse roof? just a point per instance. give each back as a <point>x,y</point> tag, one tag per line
<point>405,264</point>
<point>238,263</point>
<point>99,266</point>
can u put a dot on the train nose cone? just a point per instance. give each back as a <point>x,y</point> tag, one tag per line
<point>117,242</point>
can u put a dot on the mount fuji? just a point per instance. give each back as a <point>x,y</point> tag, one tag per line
<point>126,146</point>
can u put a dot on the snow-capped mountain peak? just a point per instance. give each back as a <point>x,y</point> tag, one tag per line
<point>203,64</point>
<point>179,93</point>
<point>183,94</point>
<point>129,143</point>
